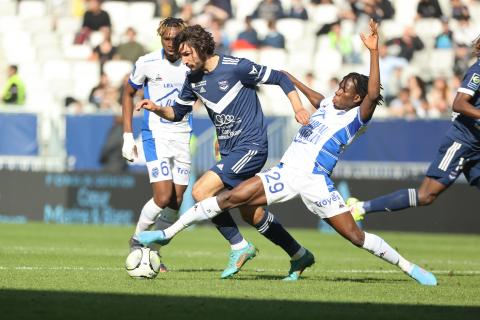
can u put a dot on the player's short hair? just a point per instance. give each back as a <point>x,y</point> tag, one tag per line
<point>360,82</point>
<point>198,38</point>
<point>170,22</point>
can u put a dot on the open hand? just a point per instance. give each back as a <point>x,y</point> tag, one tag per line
<point>371,40</point>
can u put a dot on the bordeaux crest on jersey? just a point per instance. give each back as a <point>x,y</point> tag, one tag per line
<point>223,85</point>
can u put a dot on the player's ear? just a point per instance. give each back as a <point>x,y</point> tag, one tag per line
<point>357,99</point>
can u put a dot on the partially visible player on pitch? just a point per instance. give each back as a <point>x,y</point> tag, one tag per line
<point>161,74</point>
<point>306,166</point>
<point>458,153</point>
<point>226,86</point>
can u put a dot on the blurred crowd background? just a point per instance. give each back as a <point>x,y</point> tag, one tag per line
<point>73,56</point>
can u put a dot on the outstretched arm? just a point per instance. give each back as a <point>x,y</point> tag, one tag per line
<point>163,112</point>
<point>369,103</point>
<point>313,96</point>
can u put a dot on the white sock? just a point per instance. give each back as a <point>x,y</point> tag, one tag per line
<point>237,246</point>
<point>376,245</point>
<point>201,211</point>
<point>298,254</point>
<point>361,208</point>
<point>149,214</point>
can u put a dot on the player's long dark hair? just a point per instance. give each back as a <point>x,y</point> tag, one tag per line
<point>198,38</point>
<point>360,82</point>
<point>170,22</point>
<point>476,46</point>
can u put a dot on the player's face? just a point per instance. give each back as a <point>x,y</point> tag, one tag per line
<point>167,42</point>
<point>346,96</point>
<point>190,57</point>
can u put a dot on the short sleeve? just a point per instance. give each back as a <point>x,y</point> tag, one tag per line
<point>137,77</point>
<point>471,81</point>
<point>251,73</point>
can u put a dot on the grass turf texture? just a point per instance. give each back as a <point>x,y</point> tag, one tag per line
<point>77,272</point>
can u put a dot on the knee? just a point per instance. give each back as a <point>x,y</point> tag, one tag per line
<point>162,200</point>
<point>198,194</point>
<point>426,198</point>
<point>357,238</point>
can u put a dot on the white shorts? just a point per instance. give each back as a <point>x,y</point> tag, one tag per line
<point>282,183</point>
<point>167,160</point>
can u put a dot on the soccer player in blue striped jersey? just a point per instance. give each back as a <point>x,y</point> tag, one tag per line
<point>458,153</point>
<point>306,166</point>
<point>226,86</point>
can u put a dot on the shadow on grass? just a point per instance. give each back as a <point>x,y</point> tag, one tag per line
<point>23,304</point>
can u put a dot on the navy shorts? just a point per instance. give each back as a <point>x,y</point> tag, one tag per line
<point>239,165</point>
<point>452,159</point>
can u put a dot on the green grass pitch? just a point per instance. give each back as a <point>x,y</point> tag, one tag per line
<point>77,272</point>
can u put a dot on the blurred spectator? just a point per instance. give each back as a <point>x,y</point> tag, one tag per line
<point>222,43</point>
<point>384,9</point>
<point>429,9</point>
<point>273,38</point>
<point>248,38</point>
<point>111,153</point>
<point>268,10</point>
<point>459,10</point>
<point>445,39</point>
<point>186,13</point>
<point>130,50</point>
<point>73,106</point>
<point>402,106</point>
<point>14,90</point>
<point>105,51</point>
<point>94,19</point>
<point>166,8</point>
<point>440,97</point>
<point>462,59</point>
<point>407,44</point>
<point>465,32</point>
<point>219,9</point>
<point>418,97</point>
<point>298,10</point>
<point>388,65</point>
<point>104,96</point>
<point>342,42</point>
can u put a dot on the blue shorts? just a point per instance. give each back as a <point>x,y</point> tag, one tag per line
<point>239,165</point>
<point>452,159</point>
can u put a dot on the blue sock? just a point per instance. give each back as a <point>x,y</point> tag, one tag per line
<point>271,228</point>
<point>227,227</point>
<point>398,200</point>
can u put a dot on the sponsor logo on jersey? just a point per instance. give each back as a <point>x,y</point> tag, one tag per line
<point>155,172</point>
<point>223,85</point>
<point>196,85</point>
<point>474,82</point>
<point>223,119</point>
<point>334,197</point>
<point>158,77</point>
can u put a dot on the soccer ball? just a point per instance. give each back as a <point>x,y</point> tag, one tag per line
<point>143,263</point>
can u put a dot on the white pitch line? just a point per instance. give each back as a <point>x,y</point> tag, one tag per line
<point>352,271</point>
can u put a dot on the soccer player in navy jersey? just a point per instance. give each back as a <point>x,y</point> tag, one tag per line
<point>305,168</point>
<point>458,153</point>
<point>226,86</point>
